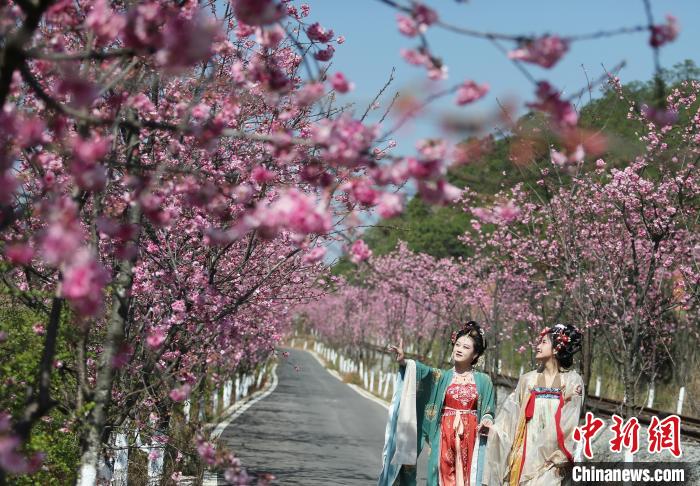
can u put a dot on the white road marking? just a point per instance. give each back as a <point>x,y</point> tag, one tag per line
<point>235,411</point>
<point>359,390</point>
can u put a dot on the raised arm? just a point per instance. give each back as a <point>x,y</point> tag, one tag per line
<point>398,352</point>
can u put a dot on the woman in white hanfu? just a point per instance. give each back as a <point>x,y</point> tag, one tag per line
<point>531,441</point>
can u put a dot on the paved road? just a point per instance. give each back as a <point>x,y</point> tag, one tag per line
<point>313,429</point>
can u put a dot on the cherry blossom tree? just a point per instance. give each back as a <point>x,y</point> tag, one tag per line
<point>169,176</point>
<point>614,250</point>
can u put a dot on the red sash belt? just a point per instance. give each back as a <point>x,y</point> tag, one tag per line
<point>530,411</point>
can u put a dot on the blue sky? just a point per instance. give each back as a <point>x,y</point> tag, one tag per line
<point>373,43</point>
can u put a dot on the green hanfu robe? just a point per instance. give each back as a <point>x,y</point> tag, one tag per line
<point>429,385</point>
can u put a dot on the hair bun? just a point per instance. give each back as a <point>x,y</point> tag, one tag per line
<point>566,341</point>
<point>473,326</point>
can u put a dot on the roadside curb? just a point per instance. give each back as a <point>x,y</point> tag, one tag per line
<point>233,412</point>
<point>358,389</point>
<point>237,409</point>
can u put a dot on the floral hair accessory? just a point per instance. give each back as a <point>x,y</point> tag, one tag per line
<point>562,341</point>
<point>560,337</point>
<point>469,326</point>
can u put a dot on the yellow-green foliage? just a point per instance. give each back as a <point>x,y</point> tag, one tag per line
<point>20,355</point>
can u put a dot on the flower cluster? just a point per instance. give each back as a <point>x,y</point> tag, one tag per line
<point>545,51</point>
<point>561,336</point>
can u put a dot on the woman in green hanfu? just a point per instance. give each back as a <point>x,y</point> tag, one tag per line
<point>449,410</point>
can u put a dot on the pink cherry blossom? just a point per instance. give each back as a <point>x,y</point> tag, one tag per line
<point>122,356</point>
<point>340,83</point>
<point>63,236</point>
<point>325,55</point>
<point>407,26</point>
<point>244,30</point>
<point>319,34</point>
<point>425,168</point>
<point>545,51</point>
<point>309,94</point>
<point>179,306</point>
<point>186,41</point>
<point>261,175</point>
<point>104,22</point>
<point>390,205</point>
<point>91,150</point>
<point>180,394</point>
<point>8,185</point>
<point>469,92</point>
<point>19,254</point>
<point>156,338</point>
<point>294,211</point>
<point>561,159</point>
<point>83,281</point>
<point>361,191</point>
<point>12,461</point>
<point>503,213</point>
<point>549,101</point>
<point>664,33</point>
<point>558,158</point>
<point>315,255</point>
<point>153,209</point>
<point>185,175</point>
<point>415,57</point>
<point>345,141</point>
<point>31,131</point>
<point>207,452</point>
<point>359,252</point>
<point>439,192</point>
<point>258,12</point>
<point>506,213</point>
<point>270,37</point>
<point>424,15</point>
<point>661,117</point>
<point>80,92</point>
<point>142,26</point>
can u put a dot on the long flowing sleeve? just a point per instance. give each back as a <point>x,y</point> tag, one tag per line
<point>502,435</point>
<point>403,430</point>
<point>487,402</point>
<point>390,469</point>
<point>425,376</point>
<point>570,413</point>
<point>487,410</point>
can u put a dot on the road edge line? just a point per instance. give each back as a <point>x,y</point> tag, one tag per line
<point>237,409</point>
<point>359,390</point>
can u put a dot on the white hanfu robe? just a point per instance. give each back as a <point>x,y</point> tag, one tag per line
<point>531,441</point>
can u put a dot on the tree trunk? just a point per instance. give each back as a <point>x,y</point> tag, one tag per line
<point>587,362</point>
<point>629,398</point>
<point>95,427</point>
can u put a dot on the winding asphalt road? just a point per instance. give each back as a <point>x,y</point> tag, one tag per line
<point>312,429</point>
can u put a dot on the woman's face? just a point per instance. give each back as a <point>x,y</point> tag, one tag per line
<point>464,351</point>
<point>544,350</point>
